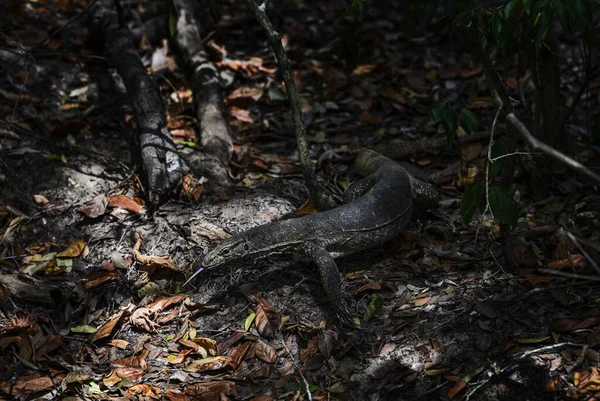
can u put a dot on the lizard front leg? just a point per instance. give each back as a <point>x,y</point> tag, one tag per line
<point>331,281</point>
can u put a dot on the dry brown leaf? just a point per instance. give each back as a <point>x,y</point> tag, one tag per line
<point>245,95</point>
<point>111,380</point>
<point>231,341</point>
<point>97,207</point>
<point>180,357</point>
<point>265,352</point>
<point>41,200</point>
<point>208,344</point>
<point>146,390</point>
<point>220,387</point>
<point>98,280</point>
<point>125,203</point>
<point>364,69</point>
<point>50,343</point>
<point>73,250</point>
<point>458,387</point>
<point>208,364</point>
<point>309,207</point>
<point>164,261</point>
<point>118,343</point>
<point>564,325</point>
<point>576,261</point>
<point>374,286</point>
<point>29,384</point>
<point>130,368</point>
<point>164,302</point>
<point>19,97</point>
<point>14,223</point>
<point>108,327</point>
<point>310,350</point>
<point>141,319</point>
<point>195,347</point>
<point>392,94</point>
<point>238,354</point>
<point>266,320</point>
<point>242,115</point>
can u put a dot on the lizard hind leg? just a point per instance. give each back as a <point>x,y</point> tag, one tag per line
<point>331,281</point>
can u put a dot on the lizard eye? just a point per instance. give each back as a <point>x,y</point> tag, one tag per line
<point>246,246</point>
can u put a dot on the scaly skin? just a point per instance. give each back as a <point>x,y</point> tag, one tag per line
<point>368,220</point>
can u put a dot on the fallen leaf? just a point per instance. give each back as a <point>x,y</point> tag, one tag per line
<point>208,364</point>
<point>141,319</point>
<point>130,368</point>
<point>73,250</point>
<point>125,203</point>
<point>108,327</point>
<point>97,207</point>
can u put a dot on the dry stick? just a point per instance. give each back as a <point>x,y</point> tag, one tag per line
<point>308,393</point>
<point>585,254</point>
<point>569,275</point>
<point>274,38</point>
<point>536,144</point>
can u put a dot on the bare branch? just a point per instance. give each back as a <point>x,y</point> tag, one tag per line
<point>274,38</point>
<point>536,144</point>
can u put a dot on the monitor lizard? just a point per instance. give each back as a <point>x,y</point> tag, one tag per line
<point>377,208</point>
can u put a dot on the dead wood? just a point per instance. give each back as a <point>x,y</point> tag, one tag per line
<point>215,137</point>
<point>34,290</point>
<point>162,167</point>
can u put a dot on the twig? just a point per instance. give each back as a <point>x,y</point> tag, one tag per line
<point>61,28</point>
<point>585,254</point>
<point>536,144</point>
<point>274,38</point>
<point>510,368</point>
<point>569,275</point>
<point>514,154</point>
<point>308,394</point>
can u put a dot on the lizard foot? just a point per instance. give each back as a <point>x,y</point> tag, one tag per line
<point>345,317</point>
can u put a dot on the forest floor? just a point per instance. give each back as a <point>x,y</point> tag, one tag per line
<point>90,310</point>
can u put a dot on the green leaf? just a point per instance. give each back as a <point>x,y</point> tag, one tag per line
<point>171,16</point>
<point>58,157</point>
<point>84,329</point>
<point>356,10</point>
<point>249,321</point>
<point>509,7</point>
<point>375,307</point>
<point>542,24</point>
<point>563,17</point>
<point>528,6</point>
<point>449,123</point>
<point>436,111</point>
<point>466,17</point>
<point>471,200</point>
<point>468,120</point>
<point>503,206</point>
<point>581,13</point>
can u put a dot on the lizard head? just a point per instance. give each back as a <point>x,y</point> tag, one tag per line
<point>232,249</point>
